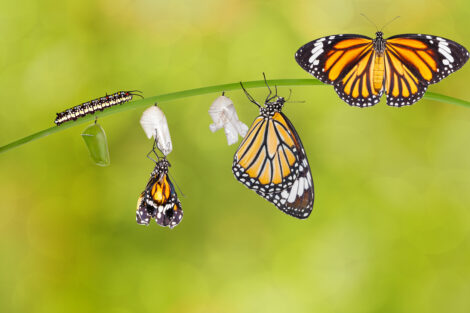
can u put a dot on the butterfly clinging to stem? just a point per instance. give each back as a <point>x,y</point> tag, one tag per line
<point>362,69</point>
<point>159,200</point>
<point>271,160</point>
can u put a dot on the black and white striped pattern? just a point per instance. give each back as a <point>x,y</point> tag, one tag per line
<point>94,105</point>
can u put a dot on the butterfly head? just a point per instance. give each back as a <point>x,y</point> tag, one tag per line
<point>272,107</point>
<point>161,167</point>
<point>379,35</point>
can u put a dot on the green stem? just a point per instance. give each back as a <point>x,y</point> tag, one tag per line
<point>190,93</point>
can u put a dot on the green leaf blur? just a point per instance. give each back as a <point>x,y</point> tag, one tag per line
<point>390,227</point>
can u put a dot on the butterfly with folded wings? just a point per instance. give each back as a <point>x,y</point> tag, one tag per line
<point>271,160</point>
<point>159,200</point>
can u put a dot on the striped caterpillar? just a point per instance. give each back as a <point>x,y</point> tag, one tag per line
<point>98,104</point>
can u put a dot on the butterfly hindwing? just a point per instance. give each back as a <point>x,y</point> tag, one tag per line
<point>297,199</point>
<point>360,86</point>
<point>402,85</point>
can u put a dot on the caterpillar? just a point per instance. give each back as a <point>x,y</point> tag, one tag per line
<point>98,104</point>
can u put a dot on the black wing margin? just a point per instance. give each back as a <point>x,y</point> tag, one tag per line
<point>296,200</point>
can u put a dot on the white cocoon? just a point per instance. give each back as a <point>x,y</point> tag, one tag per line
<point>223,113</point>
<point>154,123</point>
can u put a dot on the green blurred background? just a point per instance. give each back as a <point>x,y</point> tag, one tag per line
<point>390,231</point>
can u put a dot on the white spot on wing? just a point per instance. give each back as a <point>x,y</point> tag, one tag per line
<point>300,190</point>
<point>293,192</point>
<point>316,53</point>
<point>446,54</point>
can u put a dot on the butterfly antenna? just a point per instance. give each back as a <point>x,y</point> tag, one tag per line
<point>396,17</point>
<point>288,98</point>
<point>299,101</point>
<point>370,21</point>
<point>249,96</point>
<point>266,82</point>
<point>290,94</point>
<point>179,189</point>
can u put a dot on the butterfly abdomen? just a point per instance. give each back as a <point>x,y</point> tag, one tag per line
<point>161,191</point>
<point>378,75</point>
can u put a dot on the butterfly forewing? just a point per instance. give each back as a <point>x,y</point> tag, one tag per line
<point>267,158</point>
<point>330,58</point>
<point>431,58</point>
<point>348,63</point>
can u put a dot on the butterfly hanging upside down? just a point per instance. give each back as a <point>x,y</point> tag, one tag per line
<point>362,68</point>
<point>159,199</point>
<point>271,160</point>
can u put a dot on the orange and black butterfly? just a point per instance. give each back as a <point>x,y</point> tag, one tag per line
<point>159,200</point>
<point>362,68</point>
<point>271,160</point>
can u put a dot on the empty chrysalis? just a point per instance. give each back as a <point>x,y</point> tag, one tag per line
<point>154,124</point>
<point>223,114</point>
<point>97,144</point>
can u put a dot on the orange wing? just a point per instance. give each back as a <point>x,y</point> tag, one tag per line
<point>296,200</point>
<point>267,159</point>
<point>360,73</point>
<point>413,61</point>
<point>347,62</point>
<point>159,200</point>
<point>363,84</point>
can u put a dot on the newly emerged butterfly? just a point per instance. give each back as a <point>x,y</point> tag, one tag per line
<point>159,200</point>
<point>362,69</point>
<point>271,160</point>
<point>98,104</point>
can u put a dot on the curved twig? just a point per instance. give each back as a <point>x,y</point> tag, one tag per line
<point>190,93</point>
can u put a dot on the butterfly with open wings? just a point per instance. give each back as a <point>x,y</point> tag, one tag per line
<point>362,69</point>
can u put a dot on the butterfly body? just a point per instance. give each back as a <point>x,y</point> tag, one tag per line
<point>271,161</point>
<point>159,199</point>
<point>362,69</point>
